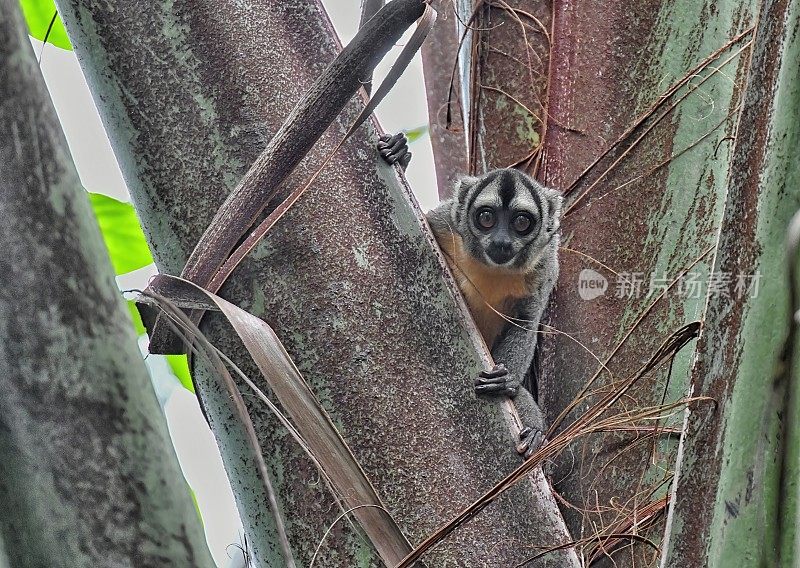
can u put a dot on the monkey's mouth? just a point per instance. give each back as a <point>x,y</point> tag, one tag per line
<point>500,256</point>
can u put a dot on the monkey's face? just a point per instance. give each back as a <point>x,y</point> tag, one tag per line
<point>506,218</point>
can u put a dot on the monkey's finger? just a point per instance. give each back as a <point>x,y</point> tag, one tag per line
<point>496,389</point>
<point>535,445</point>
<point>531,441</point>
<point>387,156</point>
<point>397,138</point>
<point>490,380</point>
<point>498,370</point>
<point>387,141</point>
<point>405,160</point>
<point>398,147</point>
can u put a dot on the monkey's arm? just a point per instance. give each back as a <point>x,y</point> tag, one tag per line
<point>516,345</point>
<point>515,350</point>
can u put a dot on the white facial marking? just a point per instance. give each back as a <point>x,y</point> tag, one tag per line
<point>489,197</point>
<point>525,202</point>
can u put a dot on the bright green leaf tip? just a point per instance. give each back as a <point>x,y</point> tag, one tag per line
<point>178,364</point>
<point>196,505</point>
<point>137,319</point>
<point>39,14</point>
<point>122,233</point>
<point>416,133</point>
<point>180,368</point>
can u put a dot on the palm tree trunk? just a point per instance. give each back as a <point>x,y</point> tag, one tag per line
<point>727,489</point>
<point>88,476</point>
<point>645,179</point>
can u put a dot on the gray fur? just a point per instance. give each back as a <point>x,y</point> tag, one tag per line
<point>535,255</point>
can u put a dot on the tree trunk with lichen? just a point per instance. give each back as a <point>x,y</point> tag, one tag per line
<point>726,501</point>
<point>88,476</point>
<point>644,219</point>
<point>349,279</point>
<point>632,116</point>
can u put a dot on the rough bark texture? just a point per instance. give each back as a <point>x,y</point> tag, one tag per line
<point>508,89</point>
<point>349,279</point>
<point>652,215</point>
<point>439,53</point>
<point>4,563</point>
<point>611,62</point>
<point>500,83</point>
<point>88,476</point>
<point>726,491</point>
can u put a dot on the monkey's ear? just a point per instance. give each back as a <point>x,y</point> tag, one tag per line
<point>554,202</point>
<point>460,197</point>
<point>462,188</point>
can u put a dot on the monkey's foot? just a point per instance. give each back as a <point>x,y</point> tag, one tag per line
<point>530,440</point>
<point>394,149</point>
<point>497,382</point>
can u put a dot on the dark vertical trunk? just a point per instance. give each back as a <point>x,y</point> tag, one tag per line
<point>88,476</point>
<point>443,89</point>
<point>508,89</point>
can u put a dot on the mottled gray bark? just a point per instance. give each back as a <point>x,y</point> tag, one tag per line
<point>88,476</point>
<point>349,279</point>
<point>3,556</point>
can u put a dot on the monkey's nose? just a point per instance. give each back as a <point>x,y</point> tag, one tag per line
<point>500,252</point>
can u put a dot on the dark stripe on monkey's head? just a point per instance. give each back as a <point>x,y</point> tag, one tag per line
<point>507,186</point>
<point>535,189</point>
<point>511,182</point>
<point>467,190</point>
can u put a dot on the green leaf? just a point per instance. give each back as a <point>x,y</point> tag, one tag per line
<point>196,505</point>
<point>122,233</point>
<point>137,319</point>
<point>416,133</point>
<point>180,368</point>
<point>39,14</point>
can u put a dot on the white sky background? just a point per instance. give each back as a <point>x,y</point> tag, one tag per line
<point>403,108</point>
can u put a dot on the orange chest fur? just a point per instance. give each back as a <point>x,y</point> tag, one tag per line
<point>490,292</point>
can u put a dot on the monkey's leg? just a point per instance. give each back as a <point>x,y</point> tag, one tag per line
<point>532,434</point>
<point>394,149</point>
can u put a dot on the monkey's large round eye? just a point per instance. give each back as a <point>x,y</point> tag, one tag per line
<point>522,223</point>
<point>485,218</point>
